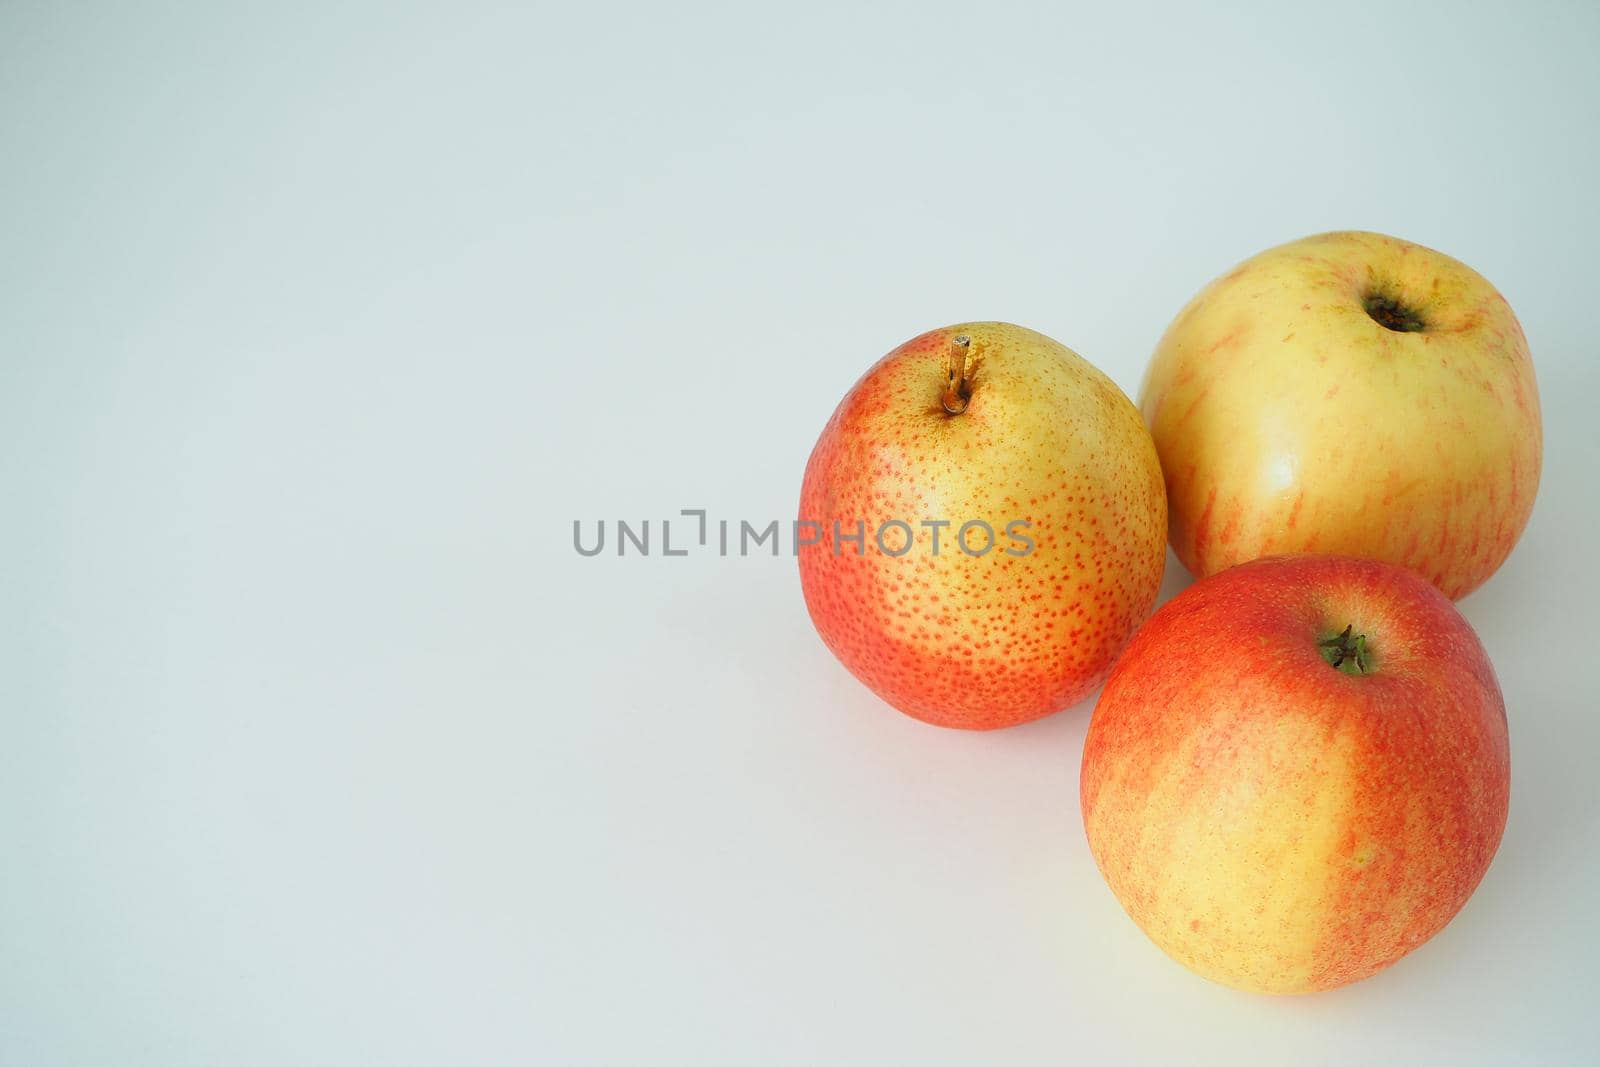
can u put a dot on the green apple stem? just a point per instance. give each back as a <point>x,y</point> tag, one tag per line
<point>1347,653</point>
<point>958,377</point>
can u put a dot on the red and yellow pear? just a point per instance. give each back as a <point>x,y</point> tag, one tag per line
<point>990,524</point>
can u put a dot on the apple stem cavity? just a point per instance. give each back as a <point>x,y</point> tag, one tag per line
<point>1391,314</point>
<point>1347,653</point>
<point>958,377</point>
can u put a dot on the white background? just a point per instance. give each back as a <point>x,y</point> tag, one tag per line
<point>320,324</point>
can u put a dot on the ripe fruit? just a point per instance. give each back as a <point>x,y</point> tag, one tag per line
<point>982,423</point>
<point>1348,394</point>
<point>1298,772</point>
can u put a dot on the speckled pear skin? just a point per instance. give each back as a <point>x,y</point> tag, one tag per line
<point>982,642</point>
<point>1290,419</point>
<point>1272,822</point>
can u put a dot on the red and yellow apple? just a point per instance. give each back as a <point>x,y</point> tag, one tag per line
<point>1298,772</point>
<point>1348,394</point>
<point>990,526</point>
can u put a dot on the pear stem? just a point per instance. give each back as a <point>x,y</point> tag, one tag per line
<point>958,375</point>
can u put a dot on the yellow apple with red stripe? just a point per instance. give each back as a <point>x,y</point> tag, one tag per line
<point>1297,772</point>
<point>1349,394</point>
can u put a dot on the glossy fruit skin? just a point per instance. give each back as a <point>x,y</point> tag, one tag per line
<point>981,642</point>
<point>1289,420</point>
<point>1275,824</point>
